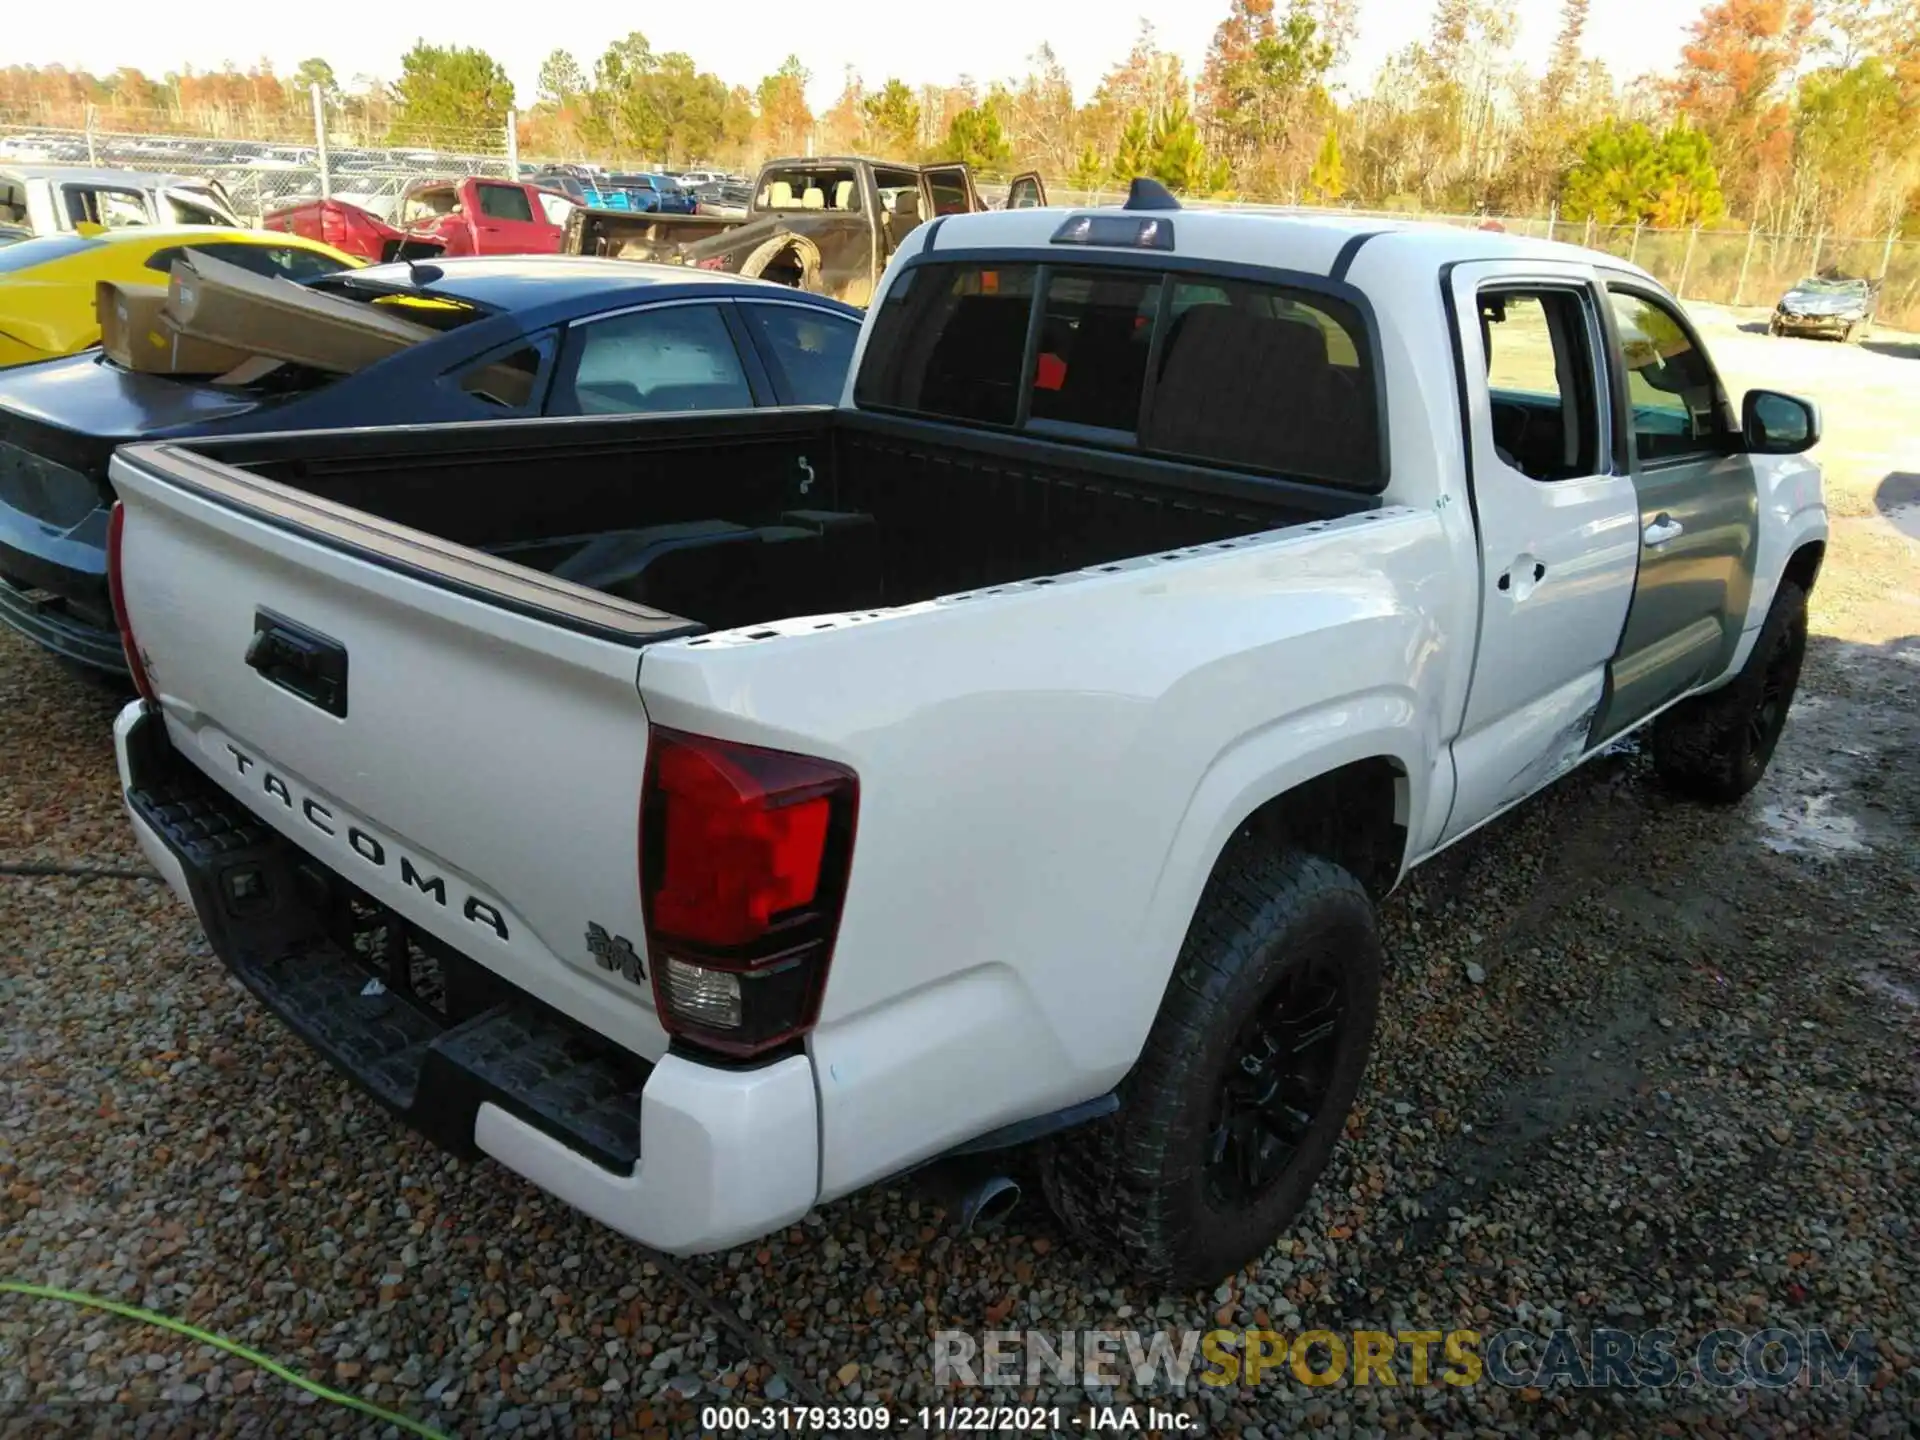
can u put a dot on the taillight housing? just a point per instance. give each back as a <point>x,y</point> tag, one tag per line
<point>744,857</point>
<point>116,521</point>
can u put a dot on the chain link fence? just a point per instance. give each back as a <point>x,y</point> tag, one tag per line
<point>259,175</point>
<point>1721,267</point>
<point>1729,267</point>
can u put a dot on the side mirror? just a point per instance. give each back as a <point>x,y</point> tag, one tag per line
<point>1775,424</point>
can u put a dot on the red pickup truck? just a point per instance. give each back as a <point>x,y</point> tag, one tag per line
<point>474,216</point>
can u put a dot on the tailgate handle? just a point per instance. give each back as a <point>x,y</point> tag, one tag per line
<point>300,661</point>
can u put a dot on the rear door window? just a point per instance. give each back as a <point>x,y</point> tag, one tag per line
<point>948,187</point>
<point>100,205</point>
<point>806,350</point>
<point>673,357</point>
<point>556,208</point>
<point>1542,396</point>
<point>195,212</point>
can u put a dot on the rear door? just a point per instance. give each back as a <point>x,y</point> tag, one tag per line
<point>950,190</point>
<point>1698,511</point>
<point>1557,519</point>
<point>900,205</point>
<point>1027,192</point>
<point>506,223</point>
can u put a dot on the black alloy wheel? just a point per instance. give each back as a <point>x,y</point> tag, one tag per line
<point>1276,1082</point>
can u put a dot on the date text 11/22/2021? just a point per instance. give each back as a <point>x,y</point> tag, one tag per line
<point>942,1419</point>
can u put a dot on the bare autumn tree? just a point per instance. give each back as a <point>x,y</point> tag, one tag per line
<point>1734,84</point>
<point>1248,22</point>
<point>1555,115</point>
<point>1150,80</point>
<point>1039,117</point>
<point>786,124</point>
<point>1337,22</point>
<point>843,125</point>
<point>1263,92</point>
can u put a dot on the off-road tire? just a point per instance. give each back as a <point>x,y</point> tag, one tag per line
<point>1135,1183</point>
<point>1715,747</point>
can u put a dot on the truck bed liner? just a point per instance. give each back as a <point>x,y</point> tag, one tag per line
<point>719,521</point>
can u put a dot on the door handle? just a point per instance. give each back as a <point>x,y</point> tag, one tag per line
<point>1524,575</point>
<point>300,661</point>
<point>1663,529</point>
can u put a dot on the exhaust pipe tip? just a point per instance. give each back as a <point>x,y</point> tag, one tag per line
<point>988,1203</point>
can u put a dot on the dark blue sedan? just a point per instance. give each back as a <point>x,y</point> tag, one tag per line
<point>520,335</point>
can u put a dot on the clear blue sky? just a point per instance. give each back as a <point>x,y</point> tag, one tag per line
<point>742,40</point>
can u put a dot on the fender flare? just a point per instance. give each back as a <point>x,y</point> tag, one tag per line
<point>1261,766</point>
<point>1805,526</point>
<point>765,253</point>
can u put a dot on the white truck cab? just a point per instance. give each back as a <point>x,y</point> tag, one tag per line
<point>57,199</point>
<point>1015,753</point>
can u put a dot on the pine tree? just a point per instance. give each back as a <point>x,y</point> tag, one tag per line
<point>1327,181</point>
<point>1133,156</point>
<point>1089,171</point>
<point>1177,158</point>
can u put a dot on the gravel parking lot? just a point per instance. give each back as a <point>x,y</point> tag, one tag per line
<point>1640,1065</point>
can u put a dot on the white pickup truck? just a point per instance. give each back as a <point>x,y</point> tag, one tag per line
<point>708,816</point>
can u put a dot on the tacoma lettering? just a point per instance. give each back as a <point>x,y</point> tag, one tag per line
<point>370,849</point>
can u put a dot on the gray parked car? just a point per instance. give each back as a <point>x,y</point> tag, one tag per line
<point>1830,305</point>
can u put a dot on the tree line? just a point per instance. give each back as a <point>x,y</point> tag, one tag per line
<point>1794,115</point>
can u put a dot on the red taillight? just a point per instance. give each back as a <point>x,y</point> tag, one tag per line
<point>116,521</point>
<point>744,854</point>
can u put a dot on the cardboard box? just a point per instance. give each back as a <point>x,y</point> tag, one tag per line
<point>212,300</point>
<point>137,334</point>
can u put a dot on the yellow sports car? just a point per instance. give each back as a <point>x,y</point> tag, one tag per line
<point>46,284</point>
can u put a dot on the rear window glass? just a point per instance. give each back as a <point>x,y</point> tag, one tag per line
<point>806,188</point>
<point>423,307</point>
<point>285,262</point>
<point>1258,377</point>
<point>1266,378</point>
<point>1096,329</point>
<point>948,341</point>
<point>29,253</point>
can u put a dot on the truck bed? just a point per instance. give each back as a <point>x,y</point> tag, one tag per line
<point>715,522</point>
<point>640,235</point>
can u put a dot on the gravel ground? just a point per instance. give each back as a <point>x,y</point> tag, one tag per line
<point>1641,1065</point>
